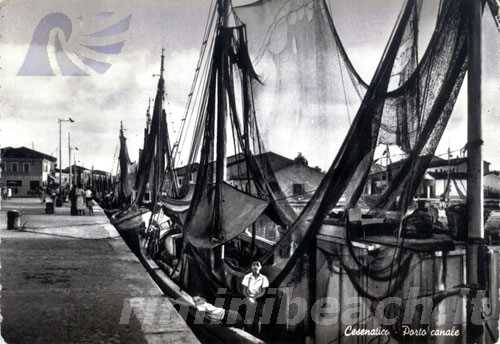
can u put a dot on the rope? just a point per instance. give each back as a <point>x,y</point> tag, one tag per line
<point>188,113</point>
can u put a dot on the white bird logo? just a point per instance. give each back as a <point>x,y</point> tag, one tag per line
<point>91,57</point>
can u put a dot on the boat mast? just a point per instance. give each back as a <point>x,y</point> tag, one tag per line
<point>148,116</point>
<point>158,146</point>
<point>474,159</point>
<point>123,178</point>
<point>220,164</point>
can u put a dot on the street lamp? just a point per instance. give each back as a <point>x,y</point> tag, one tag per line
<point>59,121</point>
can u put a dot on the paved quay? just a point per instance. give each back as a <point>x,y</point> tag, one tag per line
<point>72,279</point>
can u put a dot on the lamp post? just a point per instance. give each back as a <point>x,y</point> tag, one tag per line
<point>1,186</point>
<point>69,161</point>
<point>71,166</point>
<point>59,121</point>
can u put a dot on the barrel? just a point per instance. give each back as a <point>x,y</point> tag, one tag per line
<point>13,219</point>
<point>457,221</point>
<point>49,207</point>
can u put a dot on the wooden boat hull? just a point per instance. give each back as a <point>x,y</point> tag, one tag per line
<point>135,240</point>
<point>129,224</point>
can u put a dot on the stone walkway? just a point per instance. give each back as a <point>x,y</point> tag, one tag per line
<point>72,279</point>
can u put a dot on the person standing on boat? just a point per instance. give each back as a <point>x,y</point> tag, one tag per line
<point>254,285</point>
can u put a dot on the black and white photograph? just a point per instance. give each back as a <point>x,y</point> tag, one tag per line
<point>250,171</point>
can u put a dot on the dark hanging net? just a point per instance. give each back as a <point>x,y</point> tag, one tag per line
<point>407,103</point>
<point>301,62</point>
<point>430,92</point>
<point>353,160</point>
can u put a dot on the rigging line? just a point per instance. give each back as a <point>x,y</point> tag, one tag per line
<point>206,35</point>
<point>198,103</point>
<point>343,88</point>
<point>202,99</point>
<point>232,119</point>
<point>114,159</point>
<point>353,72</point>
<point>201,118</point>
<point>260,144</point>
<point>404,155</point>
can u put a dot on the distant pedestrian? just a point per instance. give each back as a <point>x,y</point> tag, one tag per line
<point>89,201</point>
<point>72,199</point>
<point>42,195</point>
<point>80,200</point>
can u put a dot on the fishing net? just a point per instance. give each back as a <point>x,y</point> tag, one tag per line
<point>412,114</point>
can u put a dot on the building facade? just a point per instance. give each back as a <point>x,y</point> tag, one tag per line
<point>25,170</point>
<point>443,178</point>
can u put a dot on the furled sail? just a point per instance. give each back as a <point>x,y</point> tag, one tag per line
<point>156,151</point>
<point>125,187</point>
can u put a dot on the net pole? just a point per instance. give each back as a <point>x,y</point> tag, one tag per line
<point>475,228</point>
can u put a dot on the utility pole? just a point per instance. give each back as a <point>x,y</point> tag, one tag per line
<point>59,121</point>
<point>1,190</point>
<point>60,159</point>
<point>69,160</point>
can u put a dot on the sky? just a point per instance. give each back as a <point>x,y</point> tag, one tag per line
<point>118,44</point>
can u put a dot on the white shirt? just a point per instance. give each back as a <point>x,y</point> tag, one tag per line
<point>88,193</point>
<point>255,284</point>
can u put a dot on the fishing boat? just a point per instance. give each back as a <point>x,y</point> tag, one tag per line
<point>323,256</point>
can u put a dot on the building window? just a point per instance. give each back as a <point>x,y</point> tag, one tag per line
<point>14,183</point>
<point>13,167</point>
<point>46,167</point>
<point>298,189</point>
<point>26,168</point>
<point>34,185</point>
<point>274,186</point>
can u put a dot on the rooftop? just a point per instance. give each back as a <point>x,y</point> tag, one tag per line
<point>25,153</point>
<point>276,161</point>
